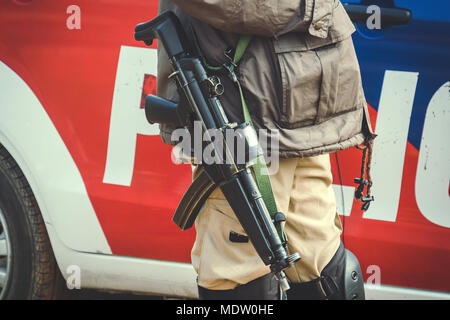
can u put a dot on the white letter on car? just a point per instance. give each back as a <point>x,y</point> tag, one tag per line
<point>127,118</point>
<point>433,168</point>
<point>394,114</point>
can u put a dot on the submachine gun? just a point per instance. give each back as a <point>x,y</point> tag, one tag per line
<point>199,91</point>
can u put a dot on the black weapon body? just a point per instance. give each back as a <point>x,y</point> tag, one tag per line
<point>236,181</point>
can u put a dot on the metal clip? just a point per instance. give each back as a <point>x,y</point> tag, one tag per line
<point>173,74</point>
<point>231,72</point>
<point>361,184</point>
<point>227,54</point>
<point>215,86</point>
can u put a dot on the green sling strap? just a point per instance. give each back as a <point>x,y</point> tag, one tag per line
<point>259,168</point>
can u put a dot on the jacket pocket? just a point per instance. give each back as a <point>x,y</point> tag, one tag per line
<point>318,83</point>
<point>341,87</point>
<point>300,73</point>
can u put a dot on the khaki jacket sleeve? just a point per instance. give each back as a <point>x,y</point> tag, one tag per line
<point>263,17</point>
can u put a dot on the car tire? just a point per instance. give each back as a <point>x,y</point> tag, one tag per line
<point>28,269</point>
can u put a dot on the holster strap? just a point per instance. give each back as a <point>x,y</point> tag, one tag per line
<point>318,289</point>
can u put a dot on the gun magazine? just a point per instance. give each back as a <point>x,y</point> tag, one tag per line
<point>193,200</point>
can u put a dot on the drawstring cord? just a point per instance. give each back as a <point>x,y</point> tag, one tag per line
<point>365,179</point>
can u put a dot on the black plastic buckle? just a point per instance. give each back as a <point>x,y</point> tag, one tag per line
<point>329,286</point>
<point>279,217</point>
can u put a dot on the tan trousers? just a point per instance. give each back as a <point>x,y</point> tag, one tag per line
<point>303,192</point>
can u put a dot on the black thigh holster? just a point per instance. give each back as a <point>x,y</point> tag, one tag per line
<point>341,279</point>
<point>263,288</point>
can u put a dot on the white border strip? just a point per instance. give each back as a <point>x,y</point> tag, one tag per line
<point>384,292</point>
<point>119,273</point>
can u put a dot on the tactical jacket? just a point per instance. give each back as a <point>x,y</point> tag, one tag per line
<point>300,74</point>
